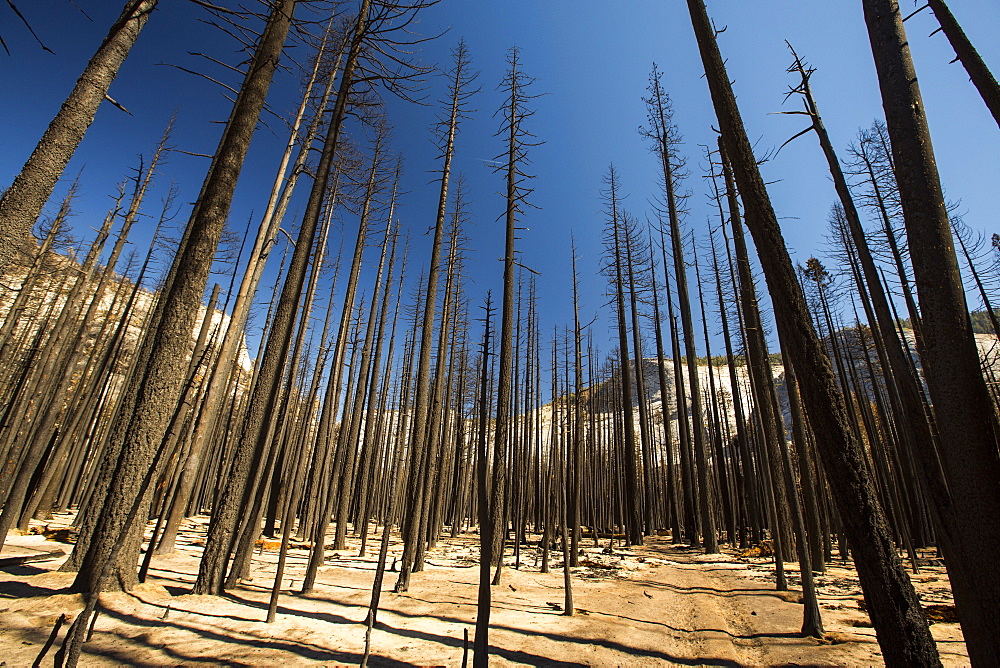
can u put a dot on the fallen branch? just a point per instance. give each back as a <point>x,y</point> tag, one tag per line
<point>63,618</point>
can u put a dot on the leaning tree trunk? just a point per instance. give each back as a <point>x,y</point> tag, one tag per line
<point>979,73</point>
<point>966,419</point>
<point>892,603</point>
<point>162,379</point>
<point>254,434</point>
<point>767,417</point>
<point>222,372</point>
<point>22,202</point>
<point>414,509</point>
<point>164,375</point>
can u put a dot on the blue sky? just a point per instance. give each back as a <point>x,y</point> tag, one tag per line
<point>591,59</point>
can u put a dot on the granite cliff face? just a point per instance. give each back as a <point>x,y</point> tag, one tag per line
<point>118,313</point>
<point>849,344</point>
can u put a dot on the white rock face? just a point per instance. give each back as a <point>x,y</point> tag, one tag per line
<point>50,292</point>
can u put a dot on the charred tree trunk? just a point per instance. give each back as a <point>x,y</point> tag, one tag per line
<point>979,73</point>
<point>893,605</point>
<point>22,202</point>
<point>966,420</point>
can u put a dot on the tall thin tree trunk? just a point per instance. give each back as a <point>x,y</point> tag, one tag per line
<point>161,379</point>
<point>414,509</point>
<point>966,420</point>
<point>486,501</point>
<point>979,73</point>
<point>254,436</point>
<point>22,202</point>
<point>163,376</point>
<point>893,605</point>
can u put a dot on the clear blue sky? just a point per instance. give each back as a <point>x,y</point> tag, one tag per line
<point>591,59</point>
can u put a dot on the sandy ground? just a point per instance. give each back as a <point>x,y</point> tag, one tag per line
<point>649,606</point>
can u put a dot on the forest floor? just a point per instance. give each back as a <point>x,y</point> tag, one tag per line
<point>658,604</point>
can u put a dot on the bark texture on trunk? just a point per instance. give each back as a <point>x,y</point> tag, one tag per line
<point>22,202</point>
<point>893,605</point>
<point>163,377</point>
<point>979,73</point>
<point>254,435</point>
<point>966,420</point>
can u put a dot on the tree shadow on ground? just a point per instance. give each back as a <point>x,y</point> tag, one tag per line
<point>735,636</point>
<point>517,656</point>
<point>23,570</point>
<point>15,589</point>
<point>172,608</point>
<point>311,614</point>
<point>711,591</point>
<point>307,651</point>
<point>534,660</point>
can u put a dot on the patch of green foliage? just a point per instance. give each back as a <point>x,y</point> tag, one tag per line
<point>981,323</point>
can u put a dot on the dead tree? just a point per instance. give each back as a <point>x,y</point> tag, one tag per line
<point>461,79</point>
<point>664,136</point>
<point>966,53</point>
<point>966,421</point>
<point>487,497</point>
<point>892,603</point>
<point>517,138</point>
<point>616,224</point>
<point>222,372</point>
<point>162,376</point>
<point>22,202</point>
<point>575,455</point>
